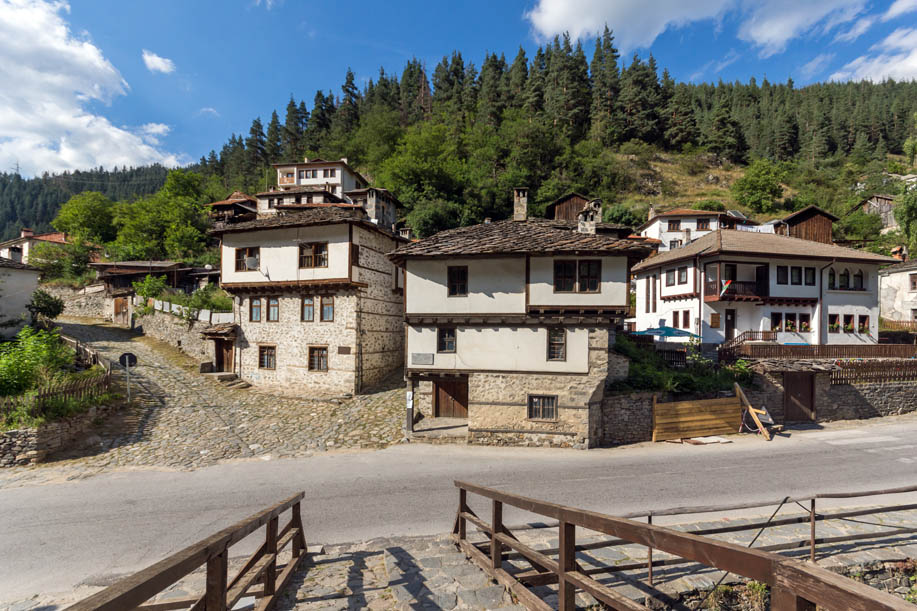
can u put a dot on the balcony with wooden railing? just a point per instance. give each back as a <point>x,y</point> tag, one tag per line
<point>737,290</point>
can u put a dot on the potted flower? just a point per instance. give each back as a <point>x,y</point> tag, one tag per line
<point>804,327</point>
<point>790,326</point>
<point>863,329</point>
<point>834,327</point>
<point>848,328</point>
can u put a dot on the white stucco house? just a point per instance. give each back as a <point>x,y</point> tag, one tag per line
<point>678,227</point>
<point>19,249</point>
<point>509,323</point>
<point>898,292</point>
<point>17,283</point>
<point>728,282</point>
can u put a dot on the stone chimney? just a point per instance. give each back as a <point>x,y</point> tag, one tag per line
<point>589,216</point>
<point>26,233</point>
<point>651,213</point>
<point>305,160</point>
<point>406,233</point>
<point>520,203</point>
<point>344,159</point>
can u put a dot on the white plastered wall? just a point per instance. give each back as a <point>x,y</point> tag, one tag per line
<point>279,251</point>
<point>495,286</point>
<point>613,290</point>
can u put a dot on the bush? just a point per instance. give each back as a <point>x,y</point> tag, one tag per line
<point>34,356</point>
<point>710,204</point>
<point>210,297</point>
<point>759,188</point>
<point>46,305</point>
<point>150,287</point>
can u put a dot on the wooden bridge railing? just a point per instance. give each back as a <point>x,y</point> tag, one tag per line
<point>221,594</point>
<point>795,585</point>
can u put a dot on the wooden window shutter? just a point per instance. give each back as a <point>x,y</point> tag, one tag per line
<point>715,320</point>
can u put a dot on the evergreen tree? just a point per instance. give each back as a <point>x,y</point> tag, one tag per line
<point>640,96</point>
<point>787,136</point>
<point>725,138</point>
<point>255,144</point>
<point>517,76</point>
<point>272,142</point>
<point>605,114</point>
<point>680,120</point>
<point>291,136</point>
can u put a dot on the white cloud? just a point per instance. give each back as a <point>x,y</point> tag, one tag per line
<point>898,8</point>
<point>859,28</point>
<point>156,63</point>
<point>816,65</point>
<point>895,57</point>
<point>208,110</point>
<point>268,4</point>
<point>49,76</point>
<point>767,24</point>
<point>151,132</point>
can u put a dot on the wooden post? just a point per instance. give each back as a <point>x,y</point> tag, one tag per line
<point>270,547</point>
<point>812,530</point>
<point>299,541</point>
<point>215,596</point>
<point>496,548</point>
<point>784,599</point>
<point>649,554</point>
<point>566,592</point>
<point>461,519</point>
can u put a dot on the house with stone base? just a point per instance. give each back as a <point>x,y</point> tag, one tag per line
<point>318,307</point>
<point>509,324</point>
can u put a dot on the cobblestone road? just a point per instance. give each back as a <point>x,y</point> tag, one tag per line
<point>183,420</point>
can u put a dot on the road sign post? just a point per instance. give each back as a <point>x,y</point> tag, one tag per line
<point>128,360</point>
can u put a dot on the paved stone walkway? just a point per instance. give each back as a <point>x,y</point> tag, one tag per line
<point>183,420</point>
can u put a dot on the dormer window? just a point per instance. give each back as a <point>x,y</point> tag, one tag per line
<point>674,225</point>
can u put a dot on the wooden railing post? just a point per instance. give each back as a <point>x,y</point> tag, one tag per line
<point>270,547</point>
<point>566,591</point>
<point>215,596</point>
<point>496,548</point>
<point>812,530</point>
<point>649,554</point>
<point>463,496</point>
<point>784,599</point>
<point>299,540</point>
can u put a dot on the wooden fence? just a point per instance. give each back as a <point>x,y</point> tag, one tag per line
<point>220,593</point>
<point>886,324</point>
<point>34,403</point>
<point>828,351</point>
<point>685,419</point>
<point>874,372</point>
<point>794,584</point>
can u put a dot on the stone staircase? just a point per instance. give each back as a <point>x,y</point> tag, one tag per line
<point>228,379</point>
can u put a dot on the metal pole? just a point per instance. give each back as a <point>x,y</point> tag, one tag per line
<point>128,369</point>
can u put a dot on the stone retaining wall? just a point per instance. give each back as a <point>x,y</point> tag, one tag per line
<point>627,418</point>
<point>25,446</point>
<point>176,331</point>
<point>88,302</point>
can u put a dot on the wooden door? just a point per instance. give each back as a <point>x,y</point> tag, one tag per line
<point>223,349</point>
<point>730,324</point>
<point>122,312</point>
<point>450,397</point>
<point>799,397</point>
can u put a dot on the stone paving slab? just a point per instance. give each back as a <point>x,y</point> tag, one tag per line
<point>183,420</point>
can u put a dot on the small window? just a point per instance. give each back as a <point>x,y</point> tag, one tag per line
<point>832,279</point>
<point>248,259</point>
<point>254,309</point>
<point>557,344</point>
<point>313,255</point>
<point>445,339</point>
<point>805,323</point>
<point>848,323</point>
<point>863,325</point>
<point>810,276</point>
<point>675,319</point>
<point>355,254</point>
<point>327,313</point>
<point>858,280</point>
<point>844,280</point>
<point>267,357</point>
<point>333,172</point>
<point>673,244</point>
<point>834,325</point>
<point>289,174</point>
<point>670,277</point>
<point>796,275</point>
<point>674,225</point>
<point>776,321</point>
<point>270,202</point>
<point>647,298</point>
<point>273,309</point>
<point>782,274</point>
<point>913,278</point>
<point>318,358</point>
<point>302,174</point>
<point>564,276</point>
<point>542,407</point>
<point>703,224</point>
<point>458,281</point>
<point>714,320</point>
<point>789,322</point>
<point>682,275</point>
<point>686,319</point>
<point>590,276</point>
<point>308,309</point>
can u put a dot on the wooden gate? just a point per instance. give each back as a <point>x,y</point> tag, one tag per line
<point>450,397</point>
<point>684,419</point>
<point>223,349</point>
<point>798,396</point>
<point>122,314</point>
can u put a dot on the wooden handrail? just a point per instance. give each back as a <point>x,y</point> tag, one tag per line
<point>794,585</point>
<point>136,589</point>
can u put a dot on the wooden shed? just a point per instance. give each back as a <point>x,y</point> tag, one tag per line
<point>566,208</point>
<point>810,223</point>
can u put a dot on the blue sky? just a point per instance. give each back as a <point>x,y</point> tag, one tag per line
<point>113,82</point>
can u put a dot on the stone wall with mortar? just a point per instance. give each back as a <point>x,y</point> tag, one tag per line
<point>627,418</point>
<point>292,337</point>
<point>176,331</point>
<point>498,403</point>
<point>77,302</point>
<point>380,309</point>
<point>25,446</point>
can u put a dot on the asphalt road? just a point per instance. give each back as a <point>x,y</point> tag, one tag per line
<point>56,536</point>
